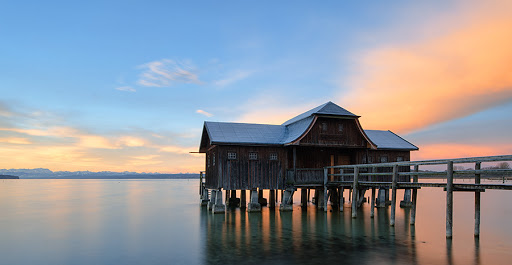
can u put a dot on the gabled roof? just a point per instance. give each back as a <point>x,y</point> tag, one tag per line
<point>230,133</point>
<point>389,140</point>
<point>250,133</point>
<point>328,108</point>
<point>244,133</point>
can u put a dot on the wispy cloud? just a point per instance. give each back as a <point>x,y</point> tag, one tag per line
<point>408,86</point>
<point>207,114</point>
<point>126,88</point>
<point>177,149</point>
<point>165,73</point>
<point>233,77</point>
<point>15,140</point>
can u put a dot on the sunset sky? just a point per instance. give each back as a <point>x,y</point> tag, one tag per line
<point>127,85</point>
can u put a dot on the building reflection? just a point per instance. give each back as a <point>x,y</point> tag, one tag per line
<point>311,236</point>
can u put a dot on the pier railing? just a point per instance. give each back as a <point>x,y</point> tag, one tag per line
<point>363,176</point>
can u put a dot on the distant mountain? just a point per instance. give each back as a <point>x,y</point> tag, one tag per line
<point>44,173</point>
<point>8,177</point>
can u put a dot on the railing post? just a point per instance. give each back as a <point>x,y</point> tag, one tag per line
<point>449,199</point>
<point>354,192</point>
<point>372,204</point>
<point>200,183</point>
<point>326,176</point>
<point>341,197</point>
<point>414,196</point>
<point>477,201</point>
<point>393,195</point>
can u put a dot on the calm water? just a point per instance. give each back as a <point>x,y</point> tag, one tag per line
<point>161,222</point>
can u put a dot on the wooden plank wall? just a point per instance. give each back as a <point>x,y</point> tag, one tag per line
<point>335,133</point>
<point>243,173</point>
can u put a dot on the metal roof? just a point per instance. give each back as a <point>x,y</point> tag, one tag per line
<point>389,140</point>
<point>266,134</point>
<point>328,108</point>
<point>250,133</point>
<point>244,133</point>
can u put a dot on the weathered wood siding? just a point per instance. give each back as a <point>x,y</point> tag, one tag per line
<point>383,156</point>
<point>314,157</point>
<point>243,172</point>
<point>334,132</point>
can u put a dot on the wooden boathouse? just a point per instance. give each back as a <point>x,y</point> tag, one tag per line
<point>256,157</point>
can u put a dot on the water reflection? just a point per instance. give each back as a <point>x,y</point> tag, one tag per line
<point>309,236</point>
<point>161,222</point>
<point>302,237</point>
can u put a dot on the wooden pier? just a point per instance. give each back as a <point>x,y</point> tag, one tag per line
<point>331,181</point>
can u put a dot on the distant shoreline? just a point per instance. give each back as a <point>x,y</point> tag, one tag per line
<point>43,173</point>
<point>112,177</point>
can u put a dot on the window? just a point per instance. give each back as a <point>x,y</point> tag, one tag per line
<point>208,161</point>
<point>324,126</point>
<point>383,159</point>
<point>364,160</point>
<point>340,127</point>
<point>253,156</point>
<point>273,156</point>
<point>399,158</point>
<point>213,159</point>
<point>232,155</point>
<point>370,160</point>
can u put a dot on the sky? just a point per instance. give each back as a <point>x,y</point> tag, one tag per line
<point>127,85</point>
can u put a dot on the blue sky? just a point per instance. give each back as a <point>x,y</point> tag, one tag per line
<point>127,84</point>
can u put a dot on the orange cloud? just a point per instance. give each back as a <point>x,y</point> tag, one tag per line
<point>15,140</point>
<point>404,87</point>
<point>447,150</point>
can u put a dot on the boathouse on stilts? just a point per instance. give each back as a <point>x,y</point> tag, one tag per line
<point>243,157</point>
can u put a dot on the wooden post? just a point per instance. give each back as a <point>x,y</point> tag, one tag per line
<point>354,192</point>
<point>226,201</point>
<point>414,196</point>
<point>304,198</point>
<point>477,201</point>
<point>393,195</point>
<point>342,199</point>
<point>243,199</point>
<point>201,183</point>
<point>326,175</point>
<point>272,198</point>
<point>372,204</point>
<point>449,199</point>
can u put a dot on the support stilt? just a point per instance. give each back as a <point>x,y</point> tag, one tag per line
<point>393,195</point>
<point>449,199</point>
<point>304,198</point>
<point>211,203</point>
<point>372,205</point>
<point>286,203</point>
<point>414,197</point>
<point>354,194</point>
<point>342,199</point>
<point>406,202</point>
<point>254,206</point>
<point>477,202</point>
<point>219,207</point>
<point>243,199</point>
<point>272,199</point>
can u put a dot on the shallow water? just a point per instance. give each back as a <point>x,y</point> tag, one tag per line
<point>161,222</point>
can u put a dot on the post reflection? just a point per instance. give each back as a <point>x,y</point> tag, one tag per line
<point>299,237</point>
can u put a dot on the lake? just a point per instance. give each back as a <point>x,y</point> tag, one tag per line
<point>161,222</point>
